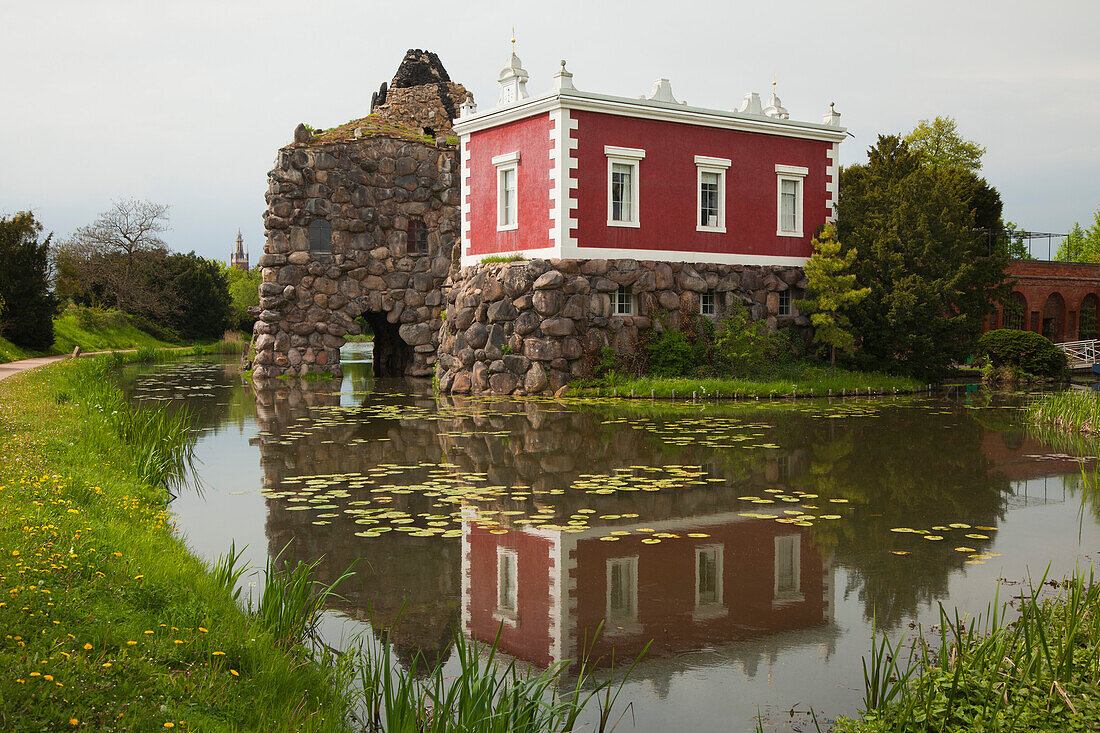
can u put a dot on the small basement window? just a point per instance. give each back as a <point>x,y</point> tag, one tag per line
<point>622,302</point>
<point>320,237</point>
<point>707,304</point>
<point>417,235</point>
<point>785,308</point>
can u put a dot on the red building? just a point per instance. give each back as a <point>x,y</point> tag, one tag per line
<point>1060,300</point>
<point>575,174</point>
<point>547,591</point>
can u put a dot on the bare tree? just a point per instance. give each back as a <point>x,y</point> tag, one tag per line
<point>115,259</point>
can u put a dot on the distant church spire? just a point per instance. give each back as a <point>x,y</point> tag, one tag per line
<point>239,258</point>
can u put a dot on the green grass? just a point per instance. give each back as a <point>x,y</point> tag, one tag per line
<point>1070,411</point>
<point>513,257</point>
<point>1039,672</point>
<point>798,382</point>
<point>11,352</point>
<point>93,329</point>
<point>107,620</point>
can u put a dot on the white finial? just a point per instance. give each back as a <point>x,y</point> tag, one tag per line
<point>468,106</point>
<point>662,92</point>
<point>832,117</point>
<point>513,80</point>
<point>775,108</point>
<point>751,104</point>
<point>563,79</point>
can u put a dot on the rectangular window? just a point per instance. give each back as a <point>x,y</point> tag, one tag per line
<point>417,237</point>
<point>785,303</point>
<point>789,199</point>
<point>507,585</point>
<point>507,166</point>
<point>711,193</point>
<point>622,302</point>
<point>706,304</point>
<point>622,185</point>
<point>622,589</point>
<point>708,575</point>
<point>788,568</point>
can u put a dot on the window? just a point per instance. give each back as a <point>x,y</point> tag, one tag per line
<point>622,185</point>
<point>789,200</point>
<point>507,191</point>
<point>708,576</point>
<point>507,585</point>
<point>417,236</point>
<point>788,569</point>
<point>712,193</point>
<point>785,303</point>
<point>622,589</point>
<point>622,302</point>
<point>706,304</point>
<point>320,237</point>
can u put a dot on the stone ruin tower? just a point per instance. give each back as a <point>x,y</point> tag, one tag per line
<point>361,225</point>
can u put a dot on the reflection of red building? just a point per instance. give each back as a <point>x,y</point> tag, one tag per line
<point>546,591</point>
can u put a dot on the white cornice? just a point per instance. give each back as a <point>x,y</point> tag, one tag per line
<point>648,109</point>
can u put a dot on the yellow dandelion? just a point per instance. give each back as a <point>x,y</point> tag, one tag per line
<point>235,673</point>
<point>87,646</point>
<point>169,724</point>
<point>74,721</point>
<point>202,629</point>
<point>48,677</point>
<point>219,654</point>
<point>106,664</point>
<point>36,674</point>
<point>131,643</point>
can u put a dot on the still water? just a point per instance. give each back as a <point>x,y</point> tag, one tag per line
<point>754,545</point>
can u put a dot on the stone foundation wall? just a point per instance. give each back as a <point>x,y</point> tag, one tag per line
<point>368,190</point>
<point>529,327</point>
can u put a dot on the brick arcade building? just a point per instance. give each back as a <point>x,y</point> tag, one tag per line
<point>1060,300</point>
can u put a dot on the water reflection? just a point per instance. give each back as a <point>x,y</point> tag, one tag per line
<point>544,520</point>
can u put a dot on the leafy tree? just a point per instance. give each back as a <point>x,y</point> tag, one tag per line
<point>29,305</point>
<point>932,279</point>
<point>939,143</point>
<point>244,290</point>
<point>201,288</point>
<point>1013,242</point>
<point>116,260</point>
<point>830,292</point>
<point>1081,245</point>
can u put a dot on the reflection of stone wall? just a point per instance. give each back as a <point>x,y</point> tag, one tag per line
<point>531,326</point>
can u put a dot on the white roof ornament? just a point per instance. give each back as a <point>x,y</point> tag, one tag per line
<point>468,106</point>
<point>832,117</point>
<point>662,92</point>
<point>513,82</point>
<point>751,104</point>
<point>775,108</point>
<point>563,79</point>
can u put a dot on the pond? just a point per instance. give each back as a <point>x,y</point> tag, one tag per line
<point>755,544</point>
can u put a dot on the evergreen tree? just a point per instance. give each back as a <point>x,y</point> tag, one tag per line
<point>27,318</point>
<point>830,292</point>
<point>1081,245</point>
<point>933,280</point>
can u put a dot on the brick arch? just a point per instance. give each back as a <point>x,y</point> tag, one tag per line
<point>1014,311</point>
<point>1089,311</point>
<point>1053,317</point>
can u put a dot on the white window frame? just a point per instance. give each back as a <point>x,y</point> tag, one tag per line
<point>504,163</point>
<point>713,302</point>
<point>705,164</point>
<point>503,613</point>
<point>619,622</point>
<point>630,157</point>
<point>790,303</point>
<point>797,174</point>
<point>788,595</point>
<point>616,301</point>
<point>720,600</point>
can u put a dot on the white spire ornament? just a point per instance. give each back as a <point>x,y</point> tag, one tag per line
<point>513,79</point>
<point>775,108</point>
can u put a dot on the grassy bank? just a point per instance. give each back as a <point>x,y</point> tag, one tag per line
<point>802,382</point>
<point>1075,411</point>
<point>11,352</point>
<point>1037,673</point>
<point>93,329</point>
<point>108,622</point>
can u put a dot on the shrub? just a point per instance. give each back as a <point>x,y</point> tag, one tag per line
<point>743,346</point>
<point>1025,350</point>
<point>674,355</point>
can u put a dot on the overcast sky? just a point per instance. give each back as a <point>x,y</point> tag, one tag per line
<point>186,102</point>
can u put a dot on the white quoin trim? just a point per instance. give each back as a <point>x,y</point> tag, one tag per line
<point>832,185</point>
<point>464,195</point>
<point>563,201</point>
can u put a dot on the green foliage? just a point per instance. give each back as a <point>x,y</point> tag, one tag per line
<point>202,291</point>
<point>1013,243</point>
<point>1028,351</point>
<point>672,354</point>
<point>1070,411</point>
<point>514,257</point>
<point>932,280</point>
<point>244,292</point>
<point>26,315</point>
<point>744,347</point>
<point>96,329</point>
<point>938,142</point>
<point>1081,245</point>
<point>830,292</point>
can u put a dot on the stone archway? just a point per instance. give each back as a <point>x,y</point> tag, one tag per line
<point>392,356</point>
<point>1088,326</point>
<point>1054,317</point>
<point>1014,311</point>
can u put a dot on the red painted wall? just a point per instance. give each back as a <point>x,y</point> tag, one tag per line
<point>668,180</point>
<point>531,137</point>
<point>530,638</point>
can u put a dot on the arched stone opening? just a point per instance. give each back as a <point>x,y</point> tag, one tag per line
<point>392,355</point>
<point>1088,326</point>
<point>1014,310</point>
<point>1054,317</point>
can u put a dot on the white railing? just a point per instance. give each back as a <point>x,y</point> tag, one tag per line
<point>1080,353</point>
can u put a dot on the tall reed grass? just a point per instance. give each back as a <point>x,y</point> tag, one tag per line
<point>1040,671</point>
<point>1072,410</point>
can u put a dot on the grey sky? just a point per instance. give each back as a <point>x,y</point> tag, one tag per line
<point>185,103</point>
